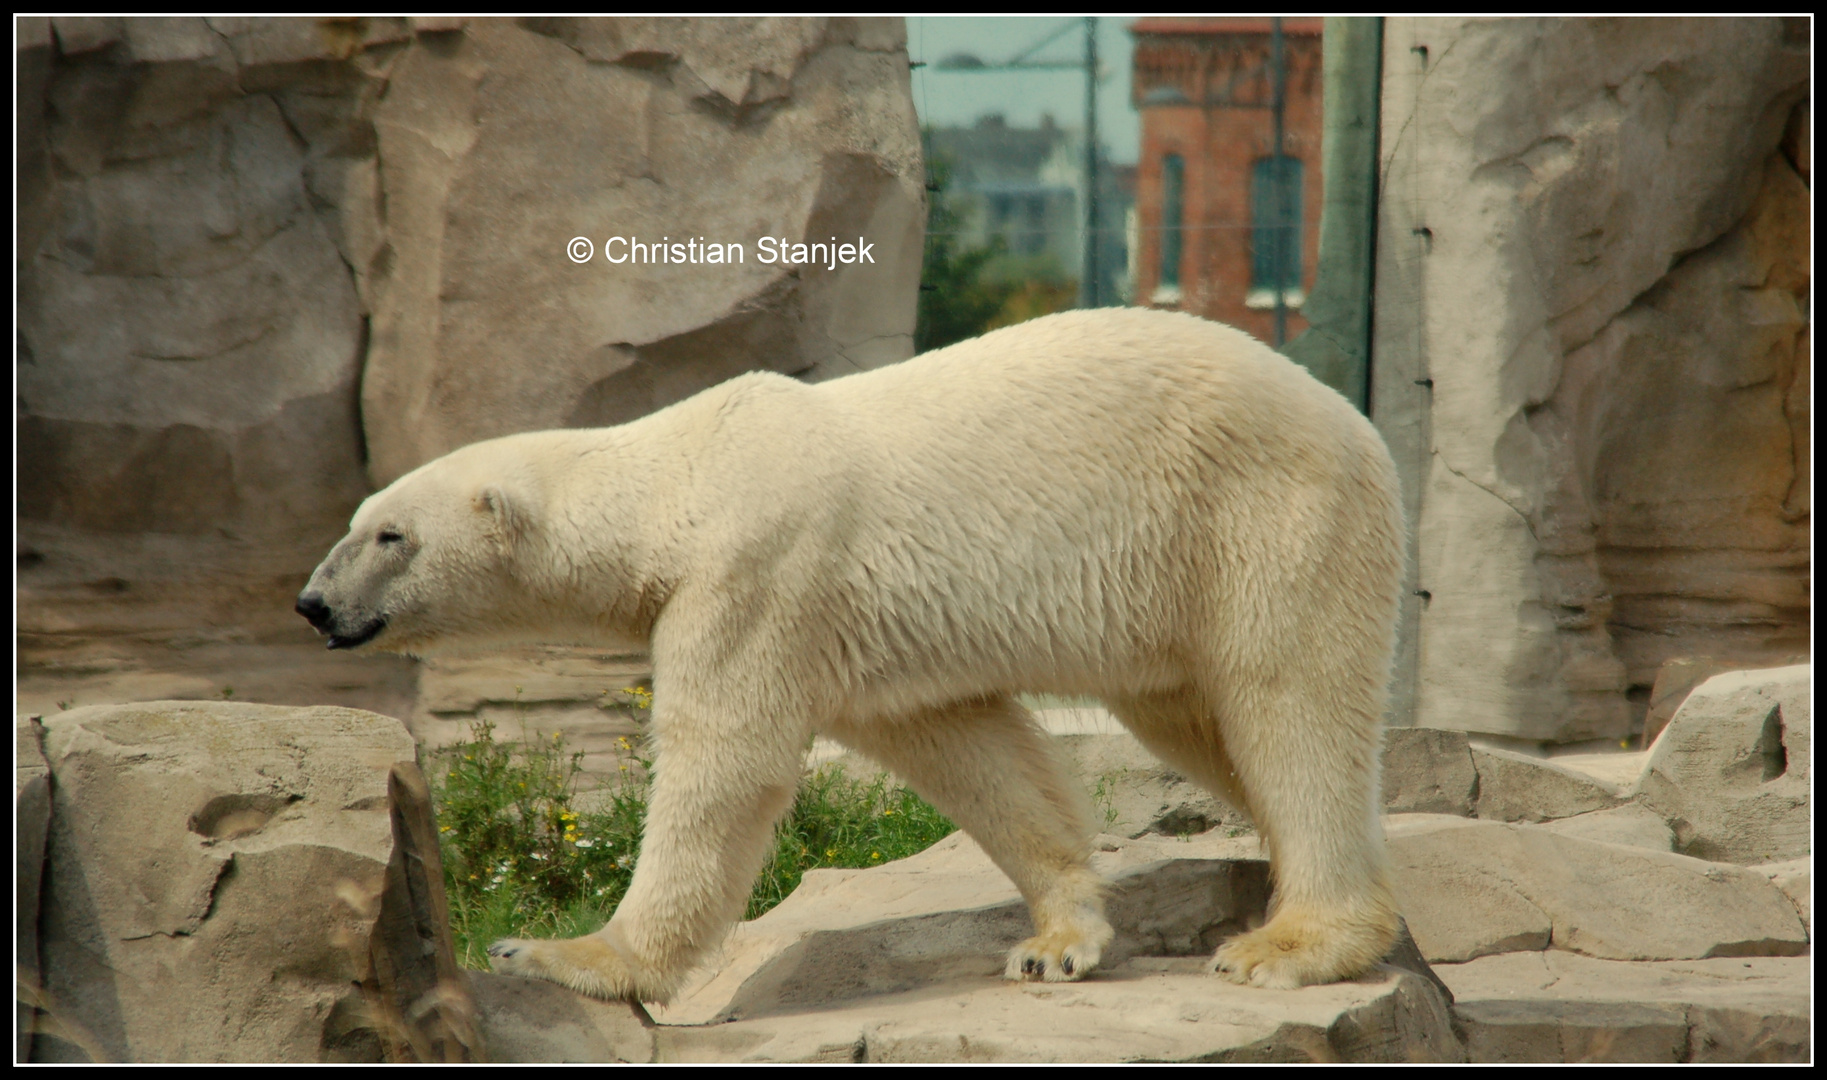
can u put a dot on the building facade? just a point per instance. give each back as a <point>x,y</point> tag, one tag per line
<point>1025,187</point>
<point>1220,221</point>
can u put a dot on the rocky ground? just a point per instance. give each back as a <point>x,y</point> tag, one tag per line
<point>1654,906</point>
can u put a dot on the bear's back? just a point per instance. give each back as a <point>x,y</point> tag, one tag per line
<point>1114,385</point>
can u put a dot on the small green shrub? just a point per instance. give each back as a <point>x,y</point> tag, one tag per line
<point>838,821</point>
<point>522,860</point>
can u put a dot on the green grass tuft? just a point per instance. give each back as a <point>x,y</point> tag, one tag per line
<point>521,859</point>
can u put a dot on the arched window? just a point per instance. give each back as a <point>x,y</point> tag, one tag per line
<point>1275,246</point>
<point>1173,215</point>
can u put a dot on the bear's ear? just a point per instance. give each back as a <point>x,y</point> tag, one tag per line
<point>509,517</point>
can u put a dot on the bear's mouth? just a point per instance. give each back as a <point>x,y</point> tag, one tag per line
<point>360,637</point>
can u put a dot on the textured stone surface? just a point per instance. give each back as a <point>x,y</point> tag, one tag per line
<point>535,1022</point>
<point>268,263</point>
<point>1474,888</point>
<point>1795,877</point>
<point>1591,343</point>
<point>1632,825</point>
<point>903,962</point>
<point>948,916</point>
<point>500,144</point>
<point>1146,1010</point>
<point>1536,1007</point>
<point>1614,769</point>
<point>1675,680</point>
<point>949,913</point>
<point>1426,771</point>
<point>244,883</point>
<point>218,391</point>
<point>31,822</point>
<point>1516,787</point>
<point>1731,770</point>
<point>1554,1007</point>
<point>1504,1032</point>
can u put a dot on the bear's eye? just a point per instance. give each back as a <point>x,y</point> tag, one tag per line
<point>388,536</point>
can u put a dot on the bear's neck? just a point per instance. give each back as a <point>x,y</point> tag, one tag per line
<point>607,553</point>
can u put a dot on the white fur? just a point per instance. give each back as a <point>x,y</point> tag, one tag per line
<point>1140,506</point>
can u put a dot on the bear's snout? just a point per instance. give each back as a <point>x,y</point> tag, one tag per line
<point>311,605</point>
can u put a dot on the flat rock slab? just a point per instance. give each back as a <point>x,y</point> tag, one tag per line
<point>1517,787</point>
<point>1475,888</point>
<point>1561,1007</point>
<point>1632,825</point>
<point>949,913</point>
<point>1144,1010</point>
<point>1619,769</point>
<point>903,962</point>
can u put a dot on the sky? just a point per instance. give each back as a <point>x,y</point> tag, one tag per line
<point>951,98</point>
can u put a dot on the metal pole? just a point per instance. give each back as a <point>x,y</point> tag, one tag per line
<point>1279,259</point>
<point>1088,272</point>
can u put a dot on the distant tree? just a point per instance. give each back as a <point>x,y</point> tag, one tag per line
<point>1033,298</point>
<point>955,302</point>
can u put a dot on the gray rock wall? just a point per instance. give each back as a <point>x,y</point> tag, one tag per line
<point>499,144</point>
<point>1591,358</point>
<point>267,265</point>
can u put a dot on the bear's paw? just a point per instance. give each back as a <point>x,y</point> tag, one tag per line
<point>1063,953</point>
<point>1298,948</point>
<point>589,965</point>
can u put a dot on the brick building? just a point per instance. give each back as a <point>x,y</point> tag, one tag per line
<point>1205,194</point>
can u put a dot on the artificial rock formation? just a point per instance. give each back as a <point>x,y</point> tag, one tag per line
<point>1731,771</point>
<point>268,264</point>
<point>31,823</point>
<point>241,883</point>
<point>499,145</point>
<point>1553,1007</point>
<point>1472,888</point>
<point>902,962</point>
<point>1591,358</point>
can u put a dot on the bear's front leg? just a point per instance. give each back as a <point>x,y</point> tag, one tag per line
<point>719,785</point>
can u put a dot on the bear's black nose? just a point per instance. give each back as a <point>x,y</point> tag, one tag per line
<point>311,605</point>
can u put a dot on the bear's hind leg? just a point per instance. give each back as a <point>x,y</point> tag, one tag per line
<point>986,765</point>
<point>1306,761</point>
<point>1177,728</point>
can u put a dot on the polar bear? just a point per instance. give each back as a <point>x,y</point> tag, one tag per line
<point>1135,505</point>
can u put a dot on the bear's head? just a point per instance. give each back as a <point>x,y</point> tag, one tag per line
<point>431,559</point>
